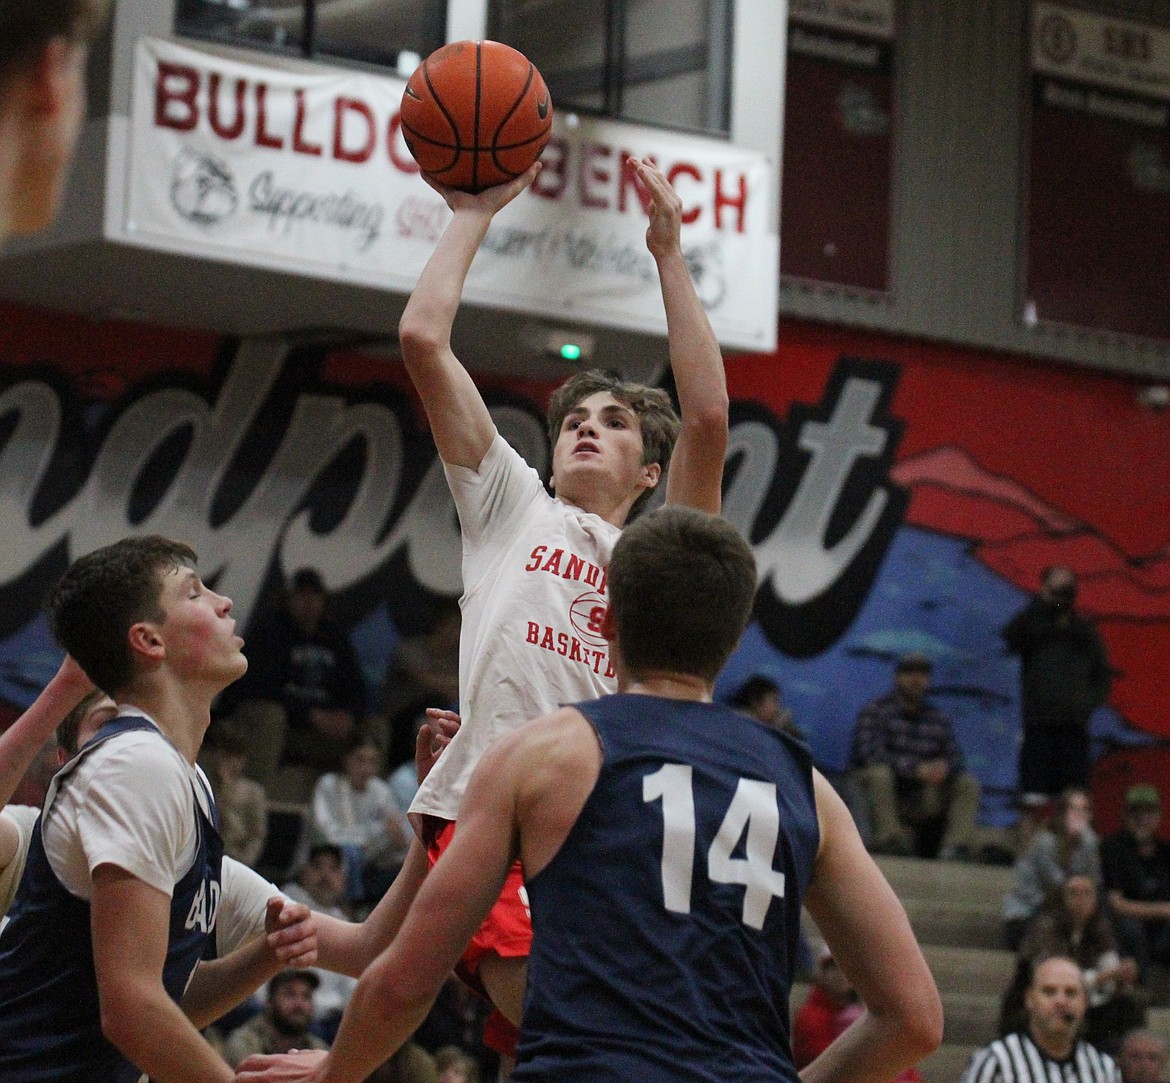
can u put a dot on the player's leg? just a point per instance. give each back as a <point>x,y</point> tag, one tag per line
<point>504,979</point>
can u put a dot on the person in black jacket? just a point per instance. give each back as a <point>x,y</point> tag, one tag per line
<point>304,694</point>
<point>1064,678</point>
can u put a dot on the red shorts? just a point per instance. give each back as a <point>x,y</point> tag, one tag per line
<point>506,931</point>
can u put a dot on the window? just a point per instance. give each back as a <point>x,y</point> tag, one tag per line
<point>660,62</point>
<point>369,31</point>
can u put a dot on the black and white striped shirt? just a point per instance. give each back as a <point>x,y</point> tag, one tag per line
<point>1018,1059</point>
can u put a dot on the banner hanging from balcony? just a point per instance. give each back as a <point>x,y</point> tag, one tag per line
<point>302,168</point>
<point>1098,192</point>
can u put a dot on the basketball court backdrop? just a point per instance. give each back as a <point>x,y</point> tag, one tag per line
<point>898,496</point>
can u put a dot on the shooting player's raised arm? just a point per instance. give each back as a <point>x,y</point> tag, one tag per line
<point>696,468</point>
<point>459,418</point>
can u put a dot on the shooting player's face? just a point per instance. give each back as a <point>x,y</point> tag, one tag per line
<point>599,449</point>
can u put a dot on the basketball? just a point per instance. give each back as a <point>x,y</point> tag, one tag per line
<point>476,114</point>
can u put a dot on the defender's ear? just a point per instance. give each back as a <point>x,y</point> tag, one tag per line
<point>651,472</point>
<point>145,640</point>
<point>608,626</point>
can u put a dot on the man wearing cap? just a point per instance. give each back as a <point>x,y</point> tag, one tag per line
<point>910,769</point>
<point>1135,866</point>
<point>283,1024</point>
<point>304,694</point>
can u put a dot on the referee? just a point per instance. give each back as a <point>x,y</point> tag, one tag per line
<point>1049,1050</point>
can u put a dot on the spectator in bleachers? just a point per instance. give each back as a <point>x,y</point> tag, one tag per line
<point>1142,1057</point>
<point>411,1064</point>
<point>1067,846</point>
<point>422,671</point>
<point>1078,927</point>
<point>304,695</point>
<point>283,1025</point>
<point>454,1065</point>
<point>1064,678</point>
<point>830,1007</point>
<point>818,1020</point>
<point>457,1018</point>
<point>1048,1047</point>
<point>320,885</point>
<point>1135,865</point>
<point>241,802</point>
<point>355,810</point>
<point>908,766</point>
<point>759,697</point>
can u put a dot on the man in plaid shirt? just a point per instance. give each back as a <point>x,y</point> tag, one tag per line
<point>911,770</point>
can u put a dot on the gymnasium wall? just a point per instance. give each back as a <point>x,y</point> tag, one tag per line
<point>899,496</point>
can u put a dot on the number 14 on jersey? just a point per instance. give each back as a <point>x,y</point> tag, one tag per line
<point>753,808</point>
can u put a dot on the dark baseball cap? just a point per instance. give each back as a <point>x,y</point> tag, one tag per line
<point>283,977</point>
<point>914,662</point>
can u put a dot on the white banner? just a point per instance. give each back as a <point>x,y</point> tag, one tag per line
<point>1120,54</point>
<point>869,18</point>
<point>303,169</point>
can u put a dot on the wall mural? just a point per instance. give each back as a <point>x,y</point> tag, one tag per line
<point>899,496</point>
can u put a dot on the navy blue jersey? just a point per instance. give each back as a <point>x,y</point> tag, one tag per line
<point>50,1026</point>
<point>665,928</point>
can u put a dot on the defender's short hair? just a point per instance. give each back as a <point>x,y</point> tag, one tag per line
<point>29,25</point>
<point>657,418</point>
<point>103,594</point>
<point>681,586</point>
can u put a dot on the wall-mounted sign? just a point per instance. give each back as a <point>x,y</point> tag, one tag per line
<point>1097,197</point>
<point>303,169</point>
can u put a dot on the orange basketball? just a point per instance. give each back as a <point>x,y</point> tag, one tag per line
<point>476,114</point>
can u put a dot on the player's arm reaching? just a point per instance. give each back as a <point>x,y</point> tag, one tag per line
<point>21,742</point>
<point>462,427</point>
<point>349,948</point>
<point>696,467</point>
<point>870,936</point>
<point>218,985</point>
<point>396,991</point>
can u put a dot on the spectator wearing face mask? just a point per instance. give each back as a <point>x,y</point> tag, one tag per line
<point>1064,678</point>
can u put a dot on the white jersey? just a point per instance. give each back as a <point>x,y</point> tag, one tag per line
<point>105,814</point>
<point>243,903</point>
<point>534,594</point>
<point>244,892</point>
<point>23,818</point>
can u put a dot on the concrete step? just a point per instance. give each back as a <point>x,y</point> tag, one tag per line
<point>958,881</point>
<point>946,1063</point>
<point>958,969</point>
<point>955,922</point>
<point>970,970</point>
<point>968,1018</point>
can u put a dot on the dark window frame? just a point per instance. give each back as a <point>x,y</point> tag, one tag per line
<point>619,72</point>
